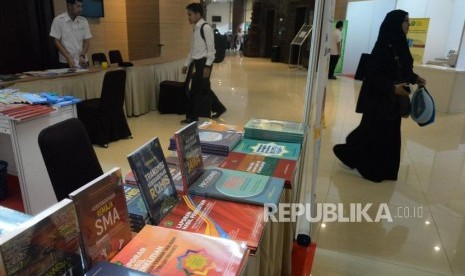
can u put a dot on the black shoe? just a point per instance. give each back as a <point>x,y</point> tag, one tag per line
<point>188,121</point>
<point>218,114</point>
<point>332,78</point>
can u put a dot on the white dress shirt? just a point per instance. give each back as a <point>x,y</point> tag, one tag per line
<point>71,34</point>
<point>201,48</point>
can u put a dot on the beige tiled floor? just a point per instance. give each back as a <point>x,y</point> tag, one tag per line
<point>431,175</point>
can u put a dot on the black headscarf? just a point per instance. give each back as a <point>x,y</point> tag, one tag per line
<point>391,32</point>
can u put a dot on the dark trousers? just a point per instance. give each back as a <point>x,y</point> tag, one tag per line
<point>201,99</point>
<point>333,59</point>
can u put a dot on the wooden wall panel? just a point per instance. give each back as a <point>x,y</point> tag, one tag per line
<point>143,28</point>
<point>136,27</point>
<point>175,30</point>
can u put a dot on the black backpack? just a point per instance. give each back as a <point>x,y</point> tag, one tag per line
<point>220,44</point>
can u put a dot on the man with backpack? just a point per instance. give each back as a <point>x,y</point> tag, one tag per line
<point>201,100</point>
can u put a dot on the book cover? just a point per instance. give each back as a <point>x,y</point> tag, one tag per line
<point>111,269</point>
<point>189,154</point>
<point>46,244</point>
<point>163,251</point>
<point>259,164</point>
<point>135,203</point>
<point>221,140</point>
<point>10,219</point>
<point>218,218</point>
<point>238,186</point>
<point>103,216</point>
<point>154,179</point>
<point>268,148</point>
<point>275,126</point>
<point>215,126</point>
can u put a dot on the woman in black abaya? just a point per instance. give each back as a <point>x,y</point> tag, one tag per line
<point>373,148</point>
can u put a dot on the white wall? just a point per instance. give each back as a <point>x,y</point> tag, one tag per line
<point>447,19</point>
<point>440,13</point>
<point>223,10</point>
<point>364,19</point>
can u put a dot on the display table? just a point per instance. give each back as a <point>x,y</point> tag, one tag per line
<point>142,83</point>
<point>21,150</point>
<point>445,84</point>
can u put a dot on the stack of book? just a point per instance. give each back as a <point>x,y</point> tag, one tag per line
<point>274,130</point>
<point>11,219</point>
<point>163,251</point>
<point>264,165</point>
<point>21,112</point>
<point>138,214</point>
<point>214,142</point>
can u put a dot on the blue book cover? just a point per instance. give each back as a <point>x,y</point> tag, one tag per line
<point>10,219</point>
<point>238,186</point>
<point>154,179</point>
<point>136,206</point>
<point>189,154</point>
<point>269,148</point>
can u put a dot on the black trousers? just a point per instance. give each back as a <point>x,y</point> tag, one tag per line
<point>333,59</point>
<point>201,100</point>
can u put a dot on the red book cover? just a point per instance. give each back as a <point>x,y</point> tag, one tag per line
<point>163,251</point>
<point>130,179</point>
<point>263,165</point>
<point>218,218</point>
<point>103,216</point>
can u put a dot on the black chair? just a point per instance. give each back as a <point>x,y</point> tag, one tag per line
<point>115,56</point>
<point>104,117</point>
<point>69,157</point>
<point>98,58</point>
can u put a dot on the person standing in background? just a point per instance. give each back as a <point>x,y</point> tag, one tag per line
<point>239,40</point>
<point>71,35</point>
<point>201,100</point>
<point>336,47</point>
<point>373,148</point>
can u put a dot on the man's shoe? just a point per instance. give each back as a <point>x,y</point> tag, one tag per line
<point>332,78</point>
<point>188,121</point>
<point>218,114</point>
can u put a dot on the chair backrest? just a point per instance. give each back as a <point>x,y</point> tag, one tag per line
<point>113,91</point>
<point>69,157</point>
<point>98,58</point>
<point>115,56</point>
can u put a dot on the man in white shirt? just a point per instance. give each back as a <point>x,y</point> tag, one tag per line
<point>71,35</point>
<point>336,46</point>
<point>201,99</point>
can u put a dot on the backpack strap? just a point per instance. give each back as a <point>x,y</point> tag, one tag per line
<point>201,31</point>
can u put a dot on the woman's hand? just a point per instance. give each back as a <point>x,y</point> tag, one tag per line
<point>421,81</point>
<point>402,89</point>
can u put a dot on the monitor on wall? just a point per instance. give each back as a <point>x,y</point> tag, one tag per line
<point>92,8</point>
<point>216,18</point>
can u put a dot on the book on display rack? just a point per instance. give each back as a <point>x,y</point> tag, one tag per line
<point>238,186</point>
<point>274,130</point>
<point>154,179</point>
<point>163,251</point>
<point>103,216</point>
<point>264,165</point>
<point>46,244</point>
<point>189,154</point>
<point>218,218</point>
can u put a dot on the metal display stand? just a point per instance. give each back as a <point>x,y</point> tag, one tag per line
<point>298,40</point>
